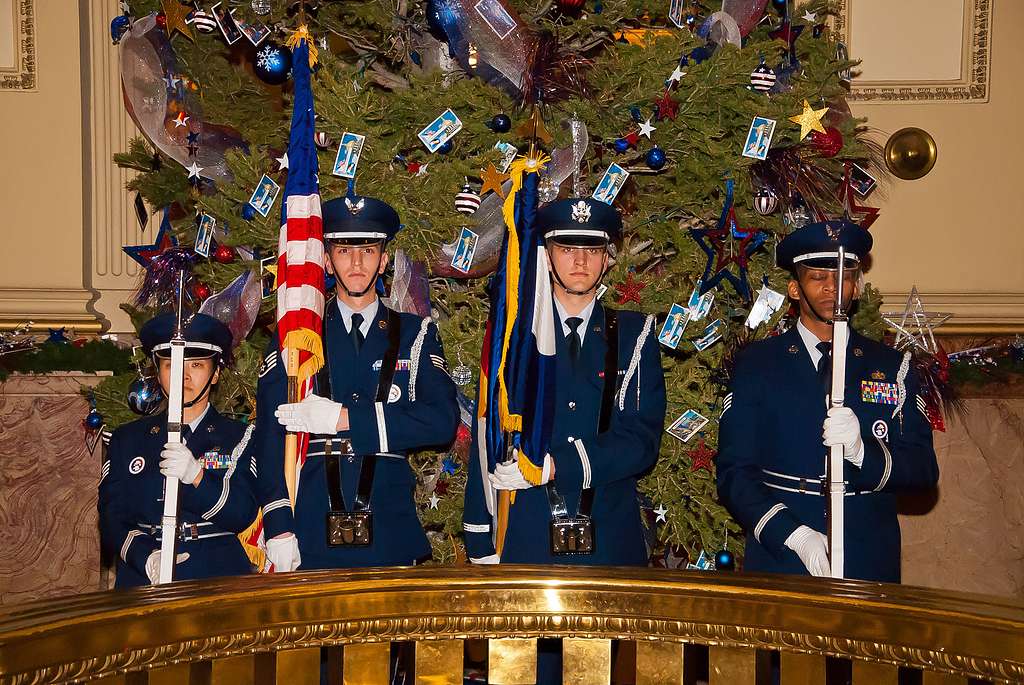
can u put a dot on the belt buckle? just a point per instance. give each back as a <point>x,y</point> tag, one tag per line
<point>572,536</point>
<point>188,531</point>
<point>345,446</point>
<point>349,528</point>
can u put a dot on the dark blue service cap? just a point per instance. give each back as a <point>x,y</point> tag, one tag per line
<point>205,336</point>
<point>579,221</point>
<point>357,219</point>
<point>817,245</point>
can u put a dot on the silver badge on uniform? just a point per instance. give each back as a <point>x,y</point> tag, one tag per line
<point>136,465</point>
<point>394,394</point>
<point>880,429</point>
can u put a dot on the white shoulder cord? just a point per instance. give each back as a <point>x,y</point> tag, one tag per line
<point>634,364</point>
<point>414,354</point>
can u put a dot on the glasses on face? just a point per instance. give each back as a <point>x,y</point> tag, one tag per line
<point>590,252</point>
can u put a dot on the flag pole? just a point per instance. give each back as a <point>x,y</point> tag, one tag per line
<point>505,497</point>
<point>291,440</point>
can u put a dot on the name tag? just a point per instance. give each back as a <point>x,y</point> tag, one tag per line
<point>877,392</point>
<point>400,365</point>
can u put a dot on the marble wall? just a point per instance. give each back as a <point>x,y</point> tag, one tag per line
<point>969,536</point>
<point>48,523</point>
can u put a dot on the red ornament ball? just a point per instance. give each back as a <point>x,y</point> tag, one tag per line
<point>201,291</point>
<point>161,20</point>
<point>223,254</point>
<point>829,143</point>
<point>569,6</point>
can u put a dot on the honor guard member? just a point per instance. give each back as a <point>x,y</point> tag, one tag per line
<point>383,392</point>
<point>216,501</point>
<point>775,430</point>
<point>608,418</point>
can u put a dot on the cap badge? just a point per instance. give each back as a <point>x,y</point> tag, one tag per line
<point>581,212</point>
<point>355,207</point>
<point>833,231</point>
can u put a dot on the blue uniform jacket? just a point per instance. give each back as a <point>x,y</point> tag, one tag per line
<point>210,514</point>
<point>771,460</point>
<point>610,462</point>
<point>421,412</point>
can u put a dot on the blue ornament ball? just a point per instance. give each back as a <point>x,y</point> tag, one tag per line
<point>248,212</point>
<point>779,6</point>
<point>446,148</point>
<point>724,560</point>
<point>655,158</point>
<point>94,421</point>
<point>501,123</point>
<point>621,145</point>
<point>145,396</point>
<point>119,25</point>
<point>273,63</point>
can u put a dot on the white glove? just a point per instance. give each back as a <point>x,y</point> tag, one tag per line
<point>507,476</point>
<point>842,428</point>
<point>812,548</point>
<point>153,565</point>
<point>314,414</point>
<point>176,461</point>
<point>283,553</point>
<point>489,559</point>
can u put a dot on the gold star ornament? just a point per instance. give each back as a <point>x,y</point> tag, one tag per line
<point>809,120</point>
<point>175,15</point>
<point>534,128</point>
<point>492,180</point>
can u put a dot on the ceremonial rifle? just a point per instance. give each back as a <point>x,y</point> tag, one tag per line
<point>836,485</point>
<point>175,399</point>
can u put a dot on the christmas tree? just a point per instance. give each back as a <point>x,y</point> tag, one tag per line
<point>729,128</point>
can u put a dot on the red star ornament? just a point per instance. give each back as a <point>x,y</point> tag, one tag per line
<point>666,107</point>
<point>701,456</point>
<point>630,290</point>
<point>726,253</point>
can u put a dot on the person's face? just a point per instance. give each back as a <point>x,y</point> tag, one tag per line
<point>818,288</point>
<point>197,372</point>
<point>356,266</point>
<point>579,267</point>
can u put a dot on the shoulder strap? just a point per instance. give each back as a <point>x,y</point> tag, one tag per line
<point>323,376</point>
<point>611,368</point>
<point>387,364</point>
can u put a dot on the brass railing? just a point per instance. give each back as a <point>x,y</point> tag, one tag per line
<point>671,627</point>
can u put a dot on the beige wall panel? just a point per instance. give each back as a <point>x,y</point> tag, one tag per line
<point>955,233</point>
<point>907,40</point>
<point>112,221</point>
<point>40,180</point>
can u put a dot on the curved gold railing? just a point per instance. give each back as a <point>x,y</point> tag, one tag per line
<point>270,629</point>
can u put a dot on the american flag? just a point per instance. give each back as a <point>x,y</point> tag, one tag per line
<point>300,261</point>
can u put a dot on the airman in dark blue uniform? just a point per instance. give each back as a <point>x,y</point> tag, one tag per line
<point>216,500</point>
<point>776,429</point>
<point>383,392</point>
<point>604,436</point>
